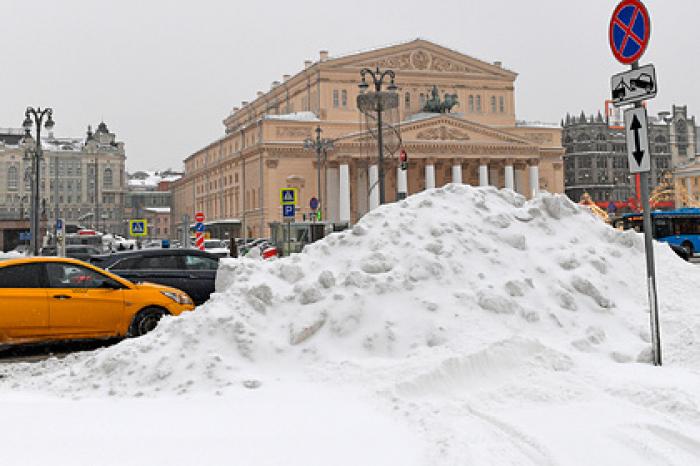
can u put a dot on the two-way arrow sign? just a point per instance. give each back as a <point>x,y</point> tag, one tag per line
<point>637,136</point>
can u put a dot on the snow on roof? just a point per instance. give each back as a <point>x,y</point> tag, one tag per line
<point>158,210</point>
<point>537,124</point>
<point>478,321</point>
<point>150,179</point>
<point>296,116</point>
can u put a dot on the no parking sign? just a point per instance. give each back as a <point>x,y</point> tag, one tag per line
<point>630,30</point>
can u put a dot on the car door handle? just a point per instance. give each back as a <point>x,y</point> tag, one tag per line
<point>61,296</point>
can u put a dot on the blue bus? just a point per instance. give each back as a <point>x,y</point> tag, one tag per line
<point>680,227</point>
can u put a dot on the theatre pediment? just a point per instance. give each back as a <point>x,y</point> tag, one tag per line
<point>421,55</point>
<point>455,129</point>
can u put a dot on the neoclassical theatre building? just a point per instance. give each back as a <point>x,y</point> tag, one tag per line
<point>237,178</point>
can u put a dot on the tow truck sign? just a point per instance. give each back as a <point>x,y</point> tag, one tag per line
<point>633,86</point>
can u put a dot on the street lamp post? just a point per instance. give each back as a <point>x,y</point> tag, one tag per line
<point>319,145</point>
<point>36,117</point>
<point>378,79</point>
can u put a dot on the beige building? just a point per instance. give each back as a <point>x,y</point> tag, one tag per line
<point>238,177</point>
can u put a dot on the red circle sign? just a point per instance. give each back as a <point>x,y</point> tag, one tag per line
<point>199,217</point>
<point>630,30</point>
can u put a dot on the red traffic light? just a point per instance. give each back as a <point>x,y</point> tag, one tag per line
<point>403,156</point>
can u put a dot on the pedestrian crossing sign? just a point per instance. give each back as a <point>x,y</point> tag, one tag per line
<point>138,227</point>
<point>288,196</point>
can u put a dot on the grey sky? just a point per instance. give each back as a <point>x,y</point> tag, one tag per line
<point>163,74</point>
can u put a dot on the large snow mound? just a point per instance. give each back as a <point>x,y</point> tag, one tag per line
<point>503,330</point>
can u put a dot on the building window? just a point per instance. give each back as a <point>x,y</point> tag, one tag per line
<point>502,104</point>
<point>336,100</point>
<point>12,179</point>
<point>422,100</point>
<point>493,104</point>
<point>478,104</point>
<point>407,101</point>
<point>471,104</point>
<point>27,179</point>
<point>344,101</point>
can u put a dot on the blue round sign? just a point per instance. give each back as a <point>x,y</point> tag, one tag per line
<point>630,30</point>
<point>313,203</point>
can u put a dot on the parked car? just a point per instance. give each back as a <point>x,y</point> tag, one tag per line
<point>47,299</point>
<point>682,252</point>
<point>73,251</point>
<point>190,270</point>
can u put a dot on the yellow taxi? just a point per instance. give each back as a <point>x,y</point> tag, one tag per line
<point>53,298</point>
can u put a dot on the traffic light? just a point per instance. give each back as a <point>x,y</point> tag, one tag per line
<point>403,158</point>
<point>318,215</point>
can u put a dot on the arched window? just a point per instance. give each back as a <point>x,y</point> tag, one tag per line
<point>344,100</point>
<point>471,104</point>
<point>107,180</point>
<point>12,179</point>
<point>407,101</point>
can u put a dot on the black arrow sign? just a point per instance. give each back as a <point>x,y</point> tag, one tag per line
<point>638,152</point>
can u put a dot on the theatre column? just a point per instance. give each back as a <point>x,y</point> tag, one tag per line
<point>457,171</point>
<point>534,177</point>
<point>401,182</point>
<point>344,191</point>
<point>509,175</point>
<point>373,187</point>
<point>429,173</point>
<point>483,172</point>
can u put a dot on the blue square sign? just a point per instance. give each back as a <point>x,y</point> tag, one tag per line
<point>288,211</point>
<point>199,228</point>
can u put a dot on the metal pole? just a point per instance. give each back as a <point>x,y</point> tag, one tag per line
<point>380,141</point>
<point>97,196</point>
<point>35,198</point>
<point>57,213</point>
<point>651,269</point>
<point>318,163</point>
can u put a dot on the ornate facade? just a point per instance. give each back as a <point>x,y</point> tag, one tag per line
<point>238,177</point>
<point>596,160</point>
<point>67,178</point>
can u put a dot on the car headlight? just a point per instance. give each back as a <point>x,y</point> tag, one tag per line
<point>180,298</point>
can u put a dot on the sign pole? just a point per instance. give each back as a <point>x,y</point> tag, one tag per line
<point>629,34</point>
<point>651,267</point>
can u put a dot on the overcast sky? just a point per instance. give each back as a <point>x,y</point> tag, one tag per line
<point>163,74</point>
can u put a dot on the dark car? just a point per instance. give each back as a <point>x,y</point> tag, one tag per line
<point>682,252</point>
<point>190,270</point>
<point>73,251</point>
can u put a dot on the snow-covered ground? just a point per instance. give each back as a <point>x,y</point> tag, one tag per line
<point>460,326</point>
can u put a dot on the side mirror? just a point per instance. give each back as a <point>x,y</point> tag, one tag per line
<point>110,285</point>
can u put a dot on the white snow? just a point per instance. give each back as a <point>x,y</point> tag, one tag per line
<point>295,116</point>
<point>460,326</point>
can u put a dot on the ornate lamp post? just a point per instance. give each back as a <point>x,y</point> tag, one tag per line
<point>378,101</point>
<point>319,145</point>
<point>36,117</point>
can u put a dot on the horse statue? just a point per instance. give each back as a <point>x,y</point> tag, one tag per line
<point>434,105</point>
<point>449,103</point>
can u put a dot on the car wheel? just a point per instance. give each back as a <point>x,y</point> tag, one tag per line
<point>689,247</point>
<point>145,321</point>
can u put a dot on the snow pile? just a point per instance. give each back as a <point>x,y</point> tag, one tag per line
<point>503,331</point>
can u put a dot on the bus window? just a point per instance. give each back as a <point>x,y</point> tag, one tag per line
<point>662,228</point>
